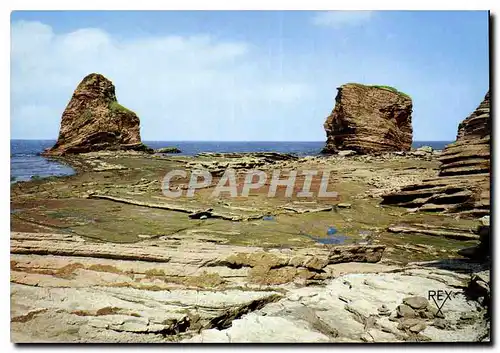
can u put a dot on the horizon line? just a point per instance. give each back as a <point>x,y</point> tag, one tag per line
<point>322,141</point>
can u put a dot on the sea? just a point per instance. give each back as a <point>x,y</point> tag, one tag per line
<point>26,162</point>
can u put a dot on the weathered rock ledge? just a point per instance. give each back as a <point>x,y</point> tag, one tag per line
<point>196,255</point>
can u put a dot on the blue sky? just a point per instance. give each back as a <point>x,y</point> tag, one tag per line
<point>238,75</point>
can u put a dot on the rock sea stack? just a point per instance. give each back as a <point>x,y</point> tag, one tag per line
<point>463,183</point>
<point>470,153</point>
<point>369,119</point>
<point>94,121</point>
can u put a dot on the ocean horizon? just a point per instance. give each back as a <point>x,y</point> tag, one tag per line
<point>26,162</point>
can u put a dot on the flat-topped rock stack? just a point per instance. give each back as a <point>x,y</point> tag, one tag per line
<point>463,182</point>
<point>369,120</point>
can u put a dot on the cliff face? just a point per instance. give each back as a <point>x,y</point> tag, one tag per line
<point>93,120</point>
<point>470,154</point>
<point>463,183</point>
<point>369,119</point>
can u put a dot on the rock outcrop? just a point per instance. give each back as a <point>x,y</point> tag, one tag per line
<point>369,119</point>
<point>220,162</point>
<point>364,307</point>
<point>196,288</point>
<point>94,120</point>
<point>156,289</point>
<point>482,251</point>
<point>463,182</point>
<point>168,150</point>
<point>204,256</point>
<point>470,154</point>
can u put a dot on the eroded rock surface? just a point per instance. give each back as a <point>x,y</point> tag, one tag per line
<point>369,119</point>
<point>198,256</point>
<point>154,290</point>
<point>94,120</point>
<point>218,163</point>
<point>195,288</point>
<point>463,183</point>
<point>364,308</point>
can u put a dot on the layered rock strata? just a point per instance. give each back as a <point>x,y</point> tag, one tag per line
<point>369,119</point>
<point>463,181</point>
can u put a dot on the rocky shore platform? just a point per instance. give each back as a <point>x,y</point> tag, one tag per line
<point>104,256</point>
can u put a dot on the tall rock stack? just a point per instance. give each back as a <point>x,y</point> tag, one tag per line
<point>94,120</point>
<point>463,183</point>
<point>369,119</point>
<point>470,153</point>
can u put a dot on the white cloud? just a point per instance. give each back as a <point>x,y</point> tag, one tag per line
<point>192,87</point>
<point>204,88</point>
<point>339,19</point>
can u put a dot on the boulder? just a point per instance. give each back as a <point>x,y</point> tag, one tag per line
<point>418,153</point>
<point>346,153</point>
<point>442,324</point>
<point>369,119</point>
<point>344,205</point>
<point>426,149</point>
<point>416,302</point>
<point>94,121</point>
<point>418,327</point>
<point>479,287</point>
<point>463,183</point>
<point>485,220</point>
<point>404,310</point>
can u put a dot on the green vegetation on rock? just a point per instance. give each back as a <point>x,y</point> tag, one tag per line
<point>168,150</point>
<point>117,107</point>
<point>60,205</point>
<point>142,147</point>
<point>389,88</point>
